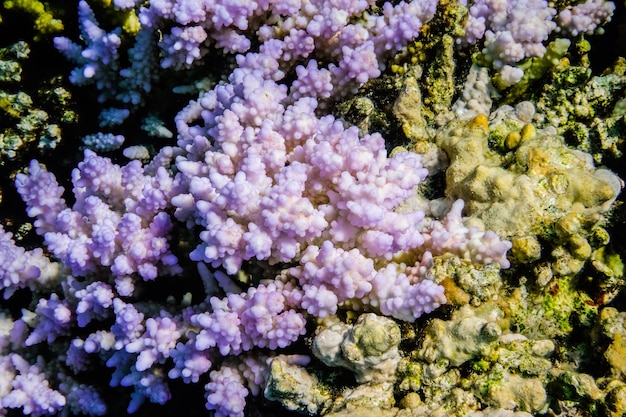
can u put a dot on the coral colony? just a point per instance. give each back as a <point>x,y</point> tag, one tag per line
<point>290,216</point>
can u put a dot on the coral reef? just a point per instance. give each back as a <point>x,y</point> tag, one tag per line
<point>335,208</point>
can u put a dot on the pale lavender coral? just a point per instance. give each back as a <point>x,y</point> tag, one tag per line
<point>230,41</point>
<point>585,18</point>
<point>259,317</point>
<point>312,81</point>
<point>76,357</point>
<point>94,300</point>
<point>398,295</point>
<point>30,389</point>
<point>359,63</point>
<point>222,22</point>
<point>354,49</point>
<point>83,399</point>
<point>189,363</point>
<point>472,244</point>
<point>189,11</point>
<point>510,75</point>
<point>138,79</point>
<point>98,62</point>
<point>20,268</point>
<point>42,195</point>
<point>139,152</point>
<point>125,4</point>
<point>160,337</point>
<point>103,142</point>
<point>399,24</point>
<point>117,220</point>
<point>254,369</point>
<point>99,341</point>
<point>296,32</point>
<point>128,323</point>
<point>278,183</point>
<point>289,182</point>
<point>112,117</point>
<point>147,385</point>
<point>183,46</point>
<point>53,318</point>
<point>512,30</point>
<point>332,277</point>
<point>226,393</point>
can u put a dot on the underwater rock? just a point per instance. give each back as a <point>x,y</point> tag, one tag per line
<point>498,412</point>
<point>513,392</point>
<point>365,399</point>
<point>516,193</point>
<point>587,109</point>
<point>615,401</point>
<point>528,186</point>
<point>464,337</point>
<point>295,388</point>
<point>31,117</point>
<point>611,326</point>
<point>369,347</point>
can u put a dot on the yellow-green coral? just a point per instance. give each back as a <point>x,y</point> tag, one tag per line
<point>126,19</point>
<point>45,22</point>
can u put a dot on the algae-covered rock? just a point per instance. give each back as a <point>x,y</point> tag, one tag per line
<point>369,347</point>
<point>524,356</point>
<point>375,397</point>
<point>29,119</point>
<point>45,22</point>
<point>408,106</point>
<point>518,193</point>
<point>530,187</point>
<point>610,272</point>
<point>466,336</point>
<point>587,109</point>
<point>557,310</point>
<point>295,388</point>
<point>611,327</point>
<point>513,392</point>
<point>498,412</point>
<point>615,402</point>
<point>569,385</point>
<point>480,282</point>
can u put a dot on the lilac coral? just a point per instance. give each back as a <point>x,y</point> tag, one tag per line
<point>103,142</point>
<point>226,393</point>
<point>20,268</point>
<point>306,181</point>
<point>115,222</point>
<point>99,60</point>
<point>259,178</point>
<point>158,340</point>
<point>586,18</point>
<point>30,389</point>
<point>53,318</point>
<point>512,30</point>
<point>269,188</point>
